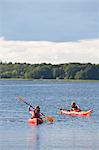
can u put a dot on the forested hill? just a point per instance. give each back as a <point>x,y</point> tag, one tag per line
<point>49,71</point>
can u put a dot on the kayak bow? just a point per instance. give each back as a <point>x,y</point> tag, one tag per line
<point>35,121</point>
<point>75,113</point>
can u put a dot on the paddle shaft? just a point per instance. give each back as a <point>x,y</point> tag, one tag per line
<point>25,102</point>
<point>48,118</point>
<point>28,104</point>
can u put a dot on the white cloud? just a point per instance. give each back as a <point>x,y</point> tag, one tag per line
<point>50,52</point>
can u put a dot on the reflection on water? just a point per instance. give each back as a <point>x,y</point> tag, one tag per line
<point>57,136</point>
<point>23,138</point>
<point>33,139</point>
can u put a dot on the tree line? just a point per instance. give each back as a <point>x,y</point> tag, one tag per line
<point>49,71</point>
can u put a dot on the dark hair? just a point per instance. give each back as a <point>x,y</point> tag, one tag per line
<point>73,103</point>
<point>38,107</point>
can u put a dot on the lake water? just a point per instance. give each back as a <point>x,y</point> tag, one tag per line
<point>67,133</point>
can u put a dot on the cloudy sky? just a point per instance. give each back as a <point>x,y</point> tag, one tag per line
<point>52,31</point>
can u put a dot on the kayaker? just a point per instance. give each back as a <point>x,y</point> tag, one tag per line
<point>35,112</point>
<point>75,107</point>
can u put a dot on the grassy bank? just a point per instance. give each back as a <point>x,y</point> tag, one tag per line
<point>65,80</point>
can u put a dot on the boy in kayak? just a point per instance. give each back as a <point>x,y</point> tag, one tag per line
<point>75,107</point>
<point>35,113</point>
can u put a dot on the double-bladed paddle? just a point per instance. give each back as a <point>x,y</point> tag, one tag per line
<point>48,118</point>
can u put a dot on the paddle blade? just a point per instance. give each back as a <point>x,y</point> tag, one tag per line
<point>50,119</point>
<point>20,98</point>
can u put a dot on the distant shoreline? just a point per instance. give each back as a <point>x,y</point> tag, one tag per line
<point>65,80</point>
<point>68,72</point>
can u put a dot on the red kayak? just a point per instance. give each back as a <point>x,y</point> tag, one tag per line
<point>35,121</point>
<point>76,113</point>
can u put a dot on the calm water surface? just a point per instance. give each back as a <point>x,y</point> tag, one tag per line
<point>67,133</point>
